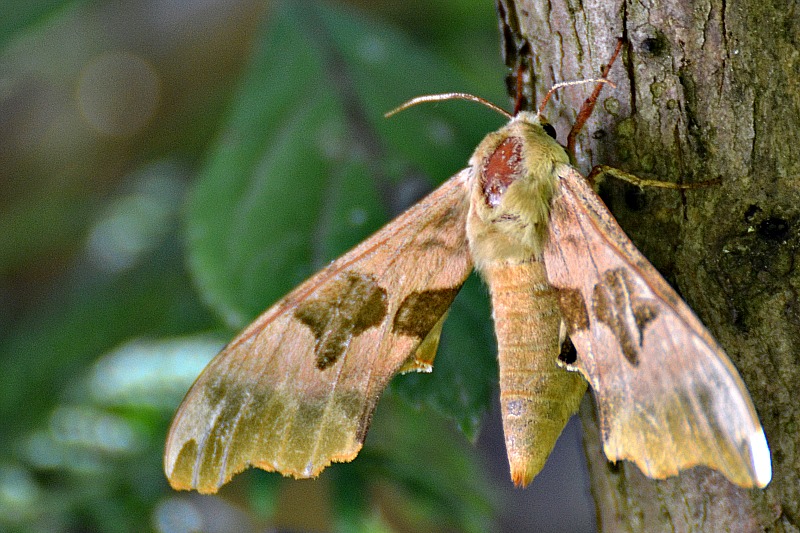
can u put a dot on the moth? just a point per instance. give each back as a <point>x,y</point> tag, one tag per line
<point>295,391</point>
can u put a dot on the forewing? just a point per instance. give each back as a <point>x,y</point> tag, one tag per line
<point>296,389</point>
<point>668,396</point>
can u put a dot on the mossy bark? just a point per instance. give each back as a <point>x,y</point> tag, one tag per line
<point>705,90</point>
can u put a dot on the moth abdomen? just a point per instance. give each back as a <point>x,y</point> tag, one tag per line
<point>536,396</point>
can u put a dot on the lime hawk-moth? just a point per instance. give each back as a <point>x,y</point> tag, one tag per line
<point>296,389</point>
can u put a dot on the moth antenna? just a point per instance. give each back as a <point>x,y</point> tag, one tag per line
<point>563,84</point>
<point>448,96</point>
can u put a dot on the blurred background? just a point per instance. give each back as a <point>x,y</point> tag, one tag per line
<point>168,169</point>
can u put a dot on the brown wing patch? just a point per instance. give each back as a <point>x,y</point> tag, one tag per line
<point>421,310</point>
<point>344,308</point>
<point>616,304</point>
<point>573,309</point>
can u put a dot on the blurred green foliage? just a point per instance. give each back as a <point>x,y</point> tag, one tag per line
<point>169,170</point>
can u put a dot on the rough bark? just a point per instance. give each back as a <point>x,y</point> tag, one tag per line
<point>705,90</point>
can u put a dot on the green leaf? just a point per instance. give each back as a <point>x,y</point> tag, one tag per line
<point>19,17</point>
<point>465,372</point>
<point>413,478</point>
<point>307,167</point>
<point>84,319</point>
<point>146,374</point>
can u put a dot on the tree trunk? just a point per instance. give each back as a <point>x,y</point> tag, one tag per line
<point>704,90</point>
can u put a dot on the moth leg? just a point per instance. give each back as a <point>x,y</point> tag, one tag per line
<point>589,103</point>
<point>600,172</point>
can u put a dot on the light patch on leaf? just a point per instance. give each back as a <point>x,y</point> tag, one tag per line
<point>372,49</point>
<point>440,133</point>
<point>357,216</point>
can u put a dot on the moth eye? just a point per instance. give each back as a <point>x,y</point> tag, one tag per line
<point>549,129</point>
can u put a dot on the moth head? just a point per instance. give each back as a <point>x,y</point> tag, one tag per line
<point>513,179</point>
<point>512,182</point>
<point>519,157</point>
<point>514,167</point>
